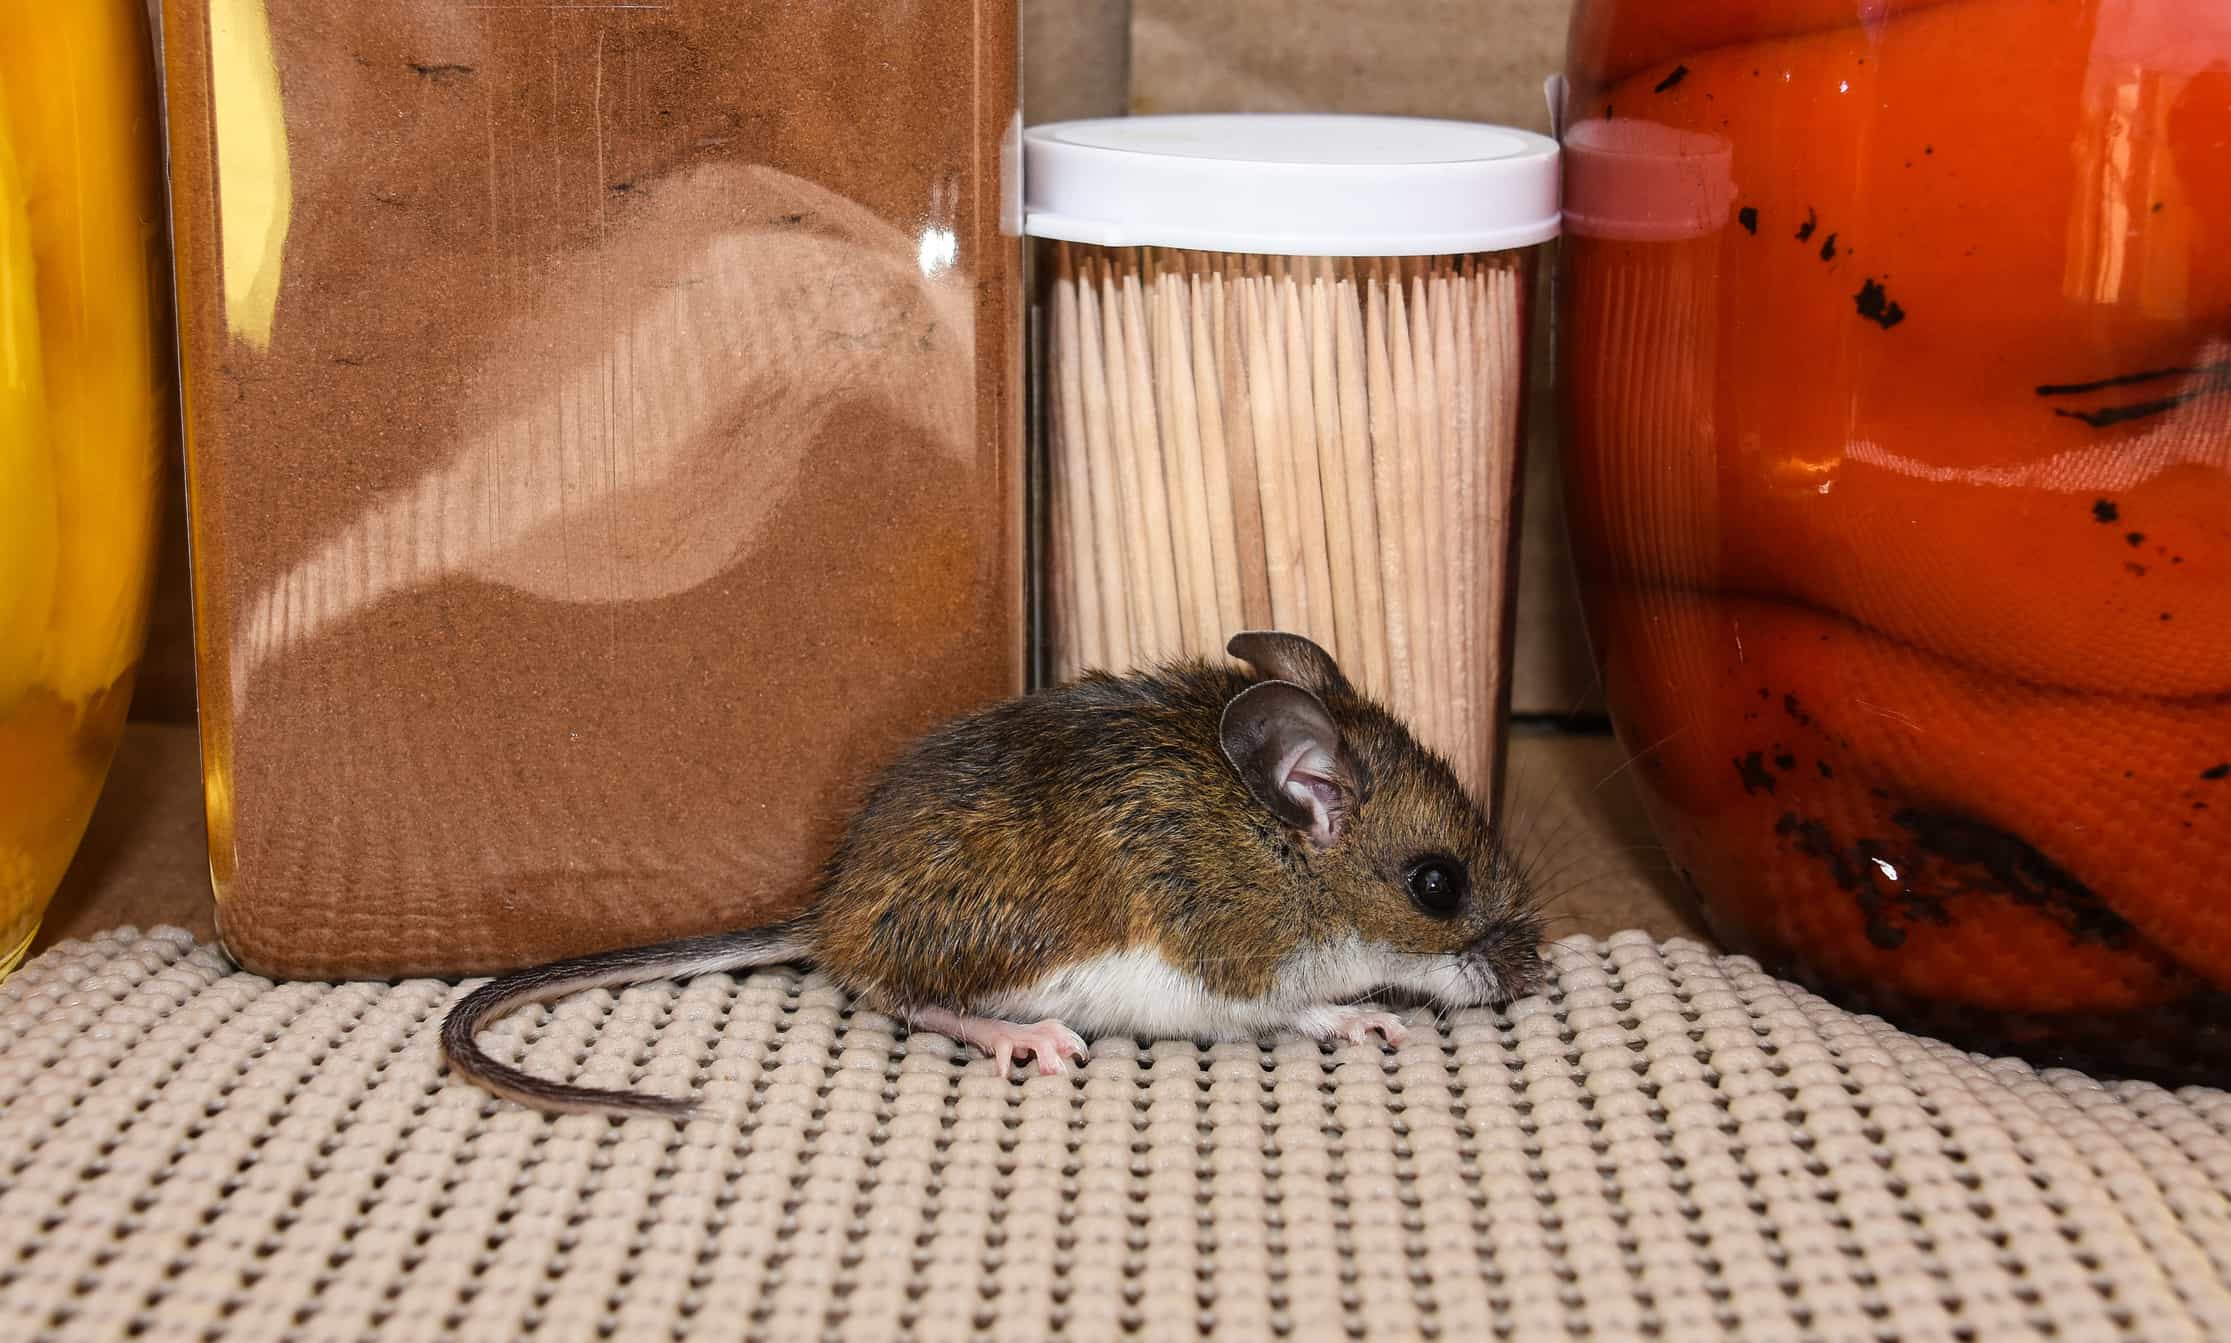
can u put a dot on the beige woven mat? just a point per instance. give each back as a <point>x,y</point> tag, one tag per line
<point>1668,1144</point>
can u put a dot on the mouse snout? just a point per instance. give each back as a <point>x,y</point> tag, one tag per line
<point>1511,967</point>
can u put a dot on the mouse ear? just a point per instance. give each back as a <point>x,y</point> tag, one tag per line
<point>1288,753</point>
<point>1288,657</point>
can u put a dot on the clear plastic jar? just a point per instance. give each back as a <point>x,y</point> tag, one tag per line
<point>1896,385</point>
<point>1283,387</point>
<point>87,416</point>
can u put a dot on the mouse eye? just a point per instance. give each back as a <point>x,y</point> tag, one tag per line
<point>1436,884</point>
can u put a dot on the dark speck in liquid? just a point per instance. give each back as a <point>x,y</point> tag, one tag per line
<point>2108,416</point>
<point>2019,871</point>
<point>1876,305</point>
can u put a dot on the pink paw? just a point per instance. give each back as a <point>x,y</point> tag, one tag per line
<point>1049,1042</point>
<point>1355,1024</point>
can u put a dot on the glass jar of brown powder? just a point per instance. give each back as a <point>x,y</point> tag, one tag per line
<point>604,452</point>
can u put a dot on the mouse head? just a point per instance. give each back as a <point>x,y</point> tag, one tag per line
<point>1392,843</point>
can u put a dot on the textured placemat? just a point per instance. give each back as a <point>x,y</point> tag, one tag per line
<point>1666,1144</point>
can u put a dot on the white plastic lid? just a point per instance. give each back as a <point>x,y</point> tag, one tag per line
<point>1291,185</point>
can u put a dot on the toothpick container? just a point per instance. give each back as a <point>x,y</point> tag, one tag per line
<point>1281,385</point>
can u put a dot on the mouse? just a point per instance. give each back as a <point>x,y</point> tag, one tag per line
<point>1197,850</point>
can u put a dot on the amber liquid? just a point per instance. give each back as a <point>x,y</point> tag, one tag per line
<point>53,756</point>
<point>86,421</point>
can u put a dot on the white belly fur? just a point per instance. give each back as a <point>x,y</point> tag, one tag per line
<point>1138,992</point>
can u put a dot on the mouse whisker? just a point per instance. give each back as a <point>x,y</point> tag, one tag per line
<point>1524,828</point>
<point>1537,880</point>
<point>1551,910</point>
<point>1549,898</point>
<point>1442,997</point>
<point>1547,889</point>
<point>1651,749</point>
<point>1521,820</point>
<point>1531,849</point>
<point>1478,985</point>
<point>1556,921</point>
<point>1655,860</point>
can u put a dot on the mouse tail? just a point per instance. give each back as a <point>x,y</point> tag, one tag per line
<point>712,954</point>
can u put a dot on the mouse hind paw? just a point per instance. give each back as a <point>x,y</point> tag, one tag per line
<point>1352,1024</point>
<point>1048,1043</point>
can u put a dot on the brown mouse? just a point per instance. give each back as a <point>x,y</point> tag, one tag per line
<point>1188,852</point>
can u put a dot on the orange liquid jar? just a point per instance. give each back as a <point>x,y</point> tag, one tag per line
<point>1895,352</point>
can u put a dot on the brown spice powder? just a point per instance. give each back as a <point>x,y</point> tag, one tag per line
<point>632,465</point>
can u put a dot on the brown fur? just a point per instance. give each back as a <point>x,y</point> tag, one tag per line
<point>1102,815</point>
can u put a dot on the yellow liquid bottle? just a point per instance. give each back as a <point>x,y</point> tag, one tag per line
<point>86,414</point>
